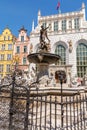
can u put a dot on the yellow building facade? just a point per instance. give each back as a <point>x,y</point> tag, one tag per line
<point>6,52</point>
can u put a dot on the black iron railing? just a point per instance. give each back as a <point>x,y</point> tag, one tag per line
<point>46,112</point>
<point>33,108</point>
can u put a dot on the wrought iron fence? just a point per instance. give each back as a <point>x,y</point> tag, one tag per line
<point>47,112</point>
<point>33,108</point>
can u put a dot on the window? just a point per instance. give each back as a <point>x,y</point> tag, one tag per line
<point>64,25</point>
<point>9,46</point>
<point>70,24</point>
<point>44,25</point>
<point>4,38</point>
<point>8,68</point>
<point>9,56</point>
<point>1,68</point>
<point>3,46</point>
<point>50,26</point>
<point>76,23</point>
<point>18,49</point>
<point>56,26</point>
<point>8,37</point>
<point>81,59</point>
<point>25,49</point>
<point>24,60</point>
<point>22,38</point>
<point>2,57</point>
<point>61,51</point>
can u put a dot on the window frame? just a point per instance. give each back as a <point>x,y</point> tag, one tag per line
<point>25,49</point>
<point>22,38</point>
<point>24,60</point>
<point>55,26</point>
<point>18,49</point>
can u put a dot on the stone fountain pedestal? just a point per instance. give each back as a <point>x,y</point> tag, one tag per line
<point>42,61</point>
<point>42,70</point>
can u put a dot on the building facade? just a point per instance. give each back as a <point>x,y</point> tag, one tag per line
<point>68,38</point>
<point>6,52</point>
<point>21,50</point>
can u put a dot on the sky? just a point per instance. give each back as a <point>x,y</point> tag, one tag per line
<point>17,13</point>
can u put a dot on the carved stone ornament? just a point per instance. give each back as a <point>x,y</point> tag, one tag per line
<point>70,46</point>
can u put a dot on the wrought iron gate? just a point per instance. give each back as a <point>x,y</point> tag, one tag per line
<point>27,108</point>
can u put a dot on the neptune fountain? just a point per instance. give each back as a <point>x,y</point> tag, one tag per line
<point>43,58</point>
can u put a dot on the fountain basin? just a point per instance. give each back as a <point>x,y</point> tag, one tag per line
<point>48,58</point>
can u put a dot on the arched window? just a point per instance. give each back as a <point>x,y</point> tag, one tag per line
<point>81,59</point>
<point>61,51</point>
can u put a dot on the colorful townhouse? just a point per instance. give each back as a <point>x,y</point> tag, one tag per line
<point>6,52</point>
<point>21,50</point>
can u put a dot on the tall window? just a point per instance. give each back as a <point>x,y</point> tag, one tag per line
<point>1,68</point>
<point>9,56</point>
<point>76,23</point>
<point>3,46</point>
<point>2,57</point>
<point>44,25</point>
<point>18,49</point>
<point>81,59</point>
<point>8,37</point>
<point>4,38</point>
<point>61,51</point>
<point>70,24</point>
<point>64,25</point>
<point>24,60</point>
<point>8,67</point>
<point>25,49</point>
<point>56,26</point>
<point>9,46</point>
<point>50,26</point>
<point>22,38</point>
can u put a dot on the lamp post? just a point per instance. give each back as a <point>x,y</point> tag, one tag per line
<point>61,76</point>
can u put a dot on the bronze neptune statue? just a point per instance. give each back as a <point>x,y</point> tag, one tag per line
<point>43,36</point>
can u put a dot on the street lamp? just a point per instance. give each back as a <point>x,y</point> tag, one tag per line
<point>61,77</point>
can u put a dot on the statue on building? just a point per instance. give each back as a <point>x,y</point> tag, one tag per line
<point>70,46</point>
<point>31,48</point>
<point>43,37</point>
